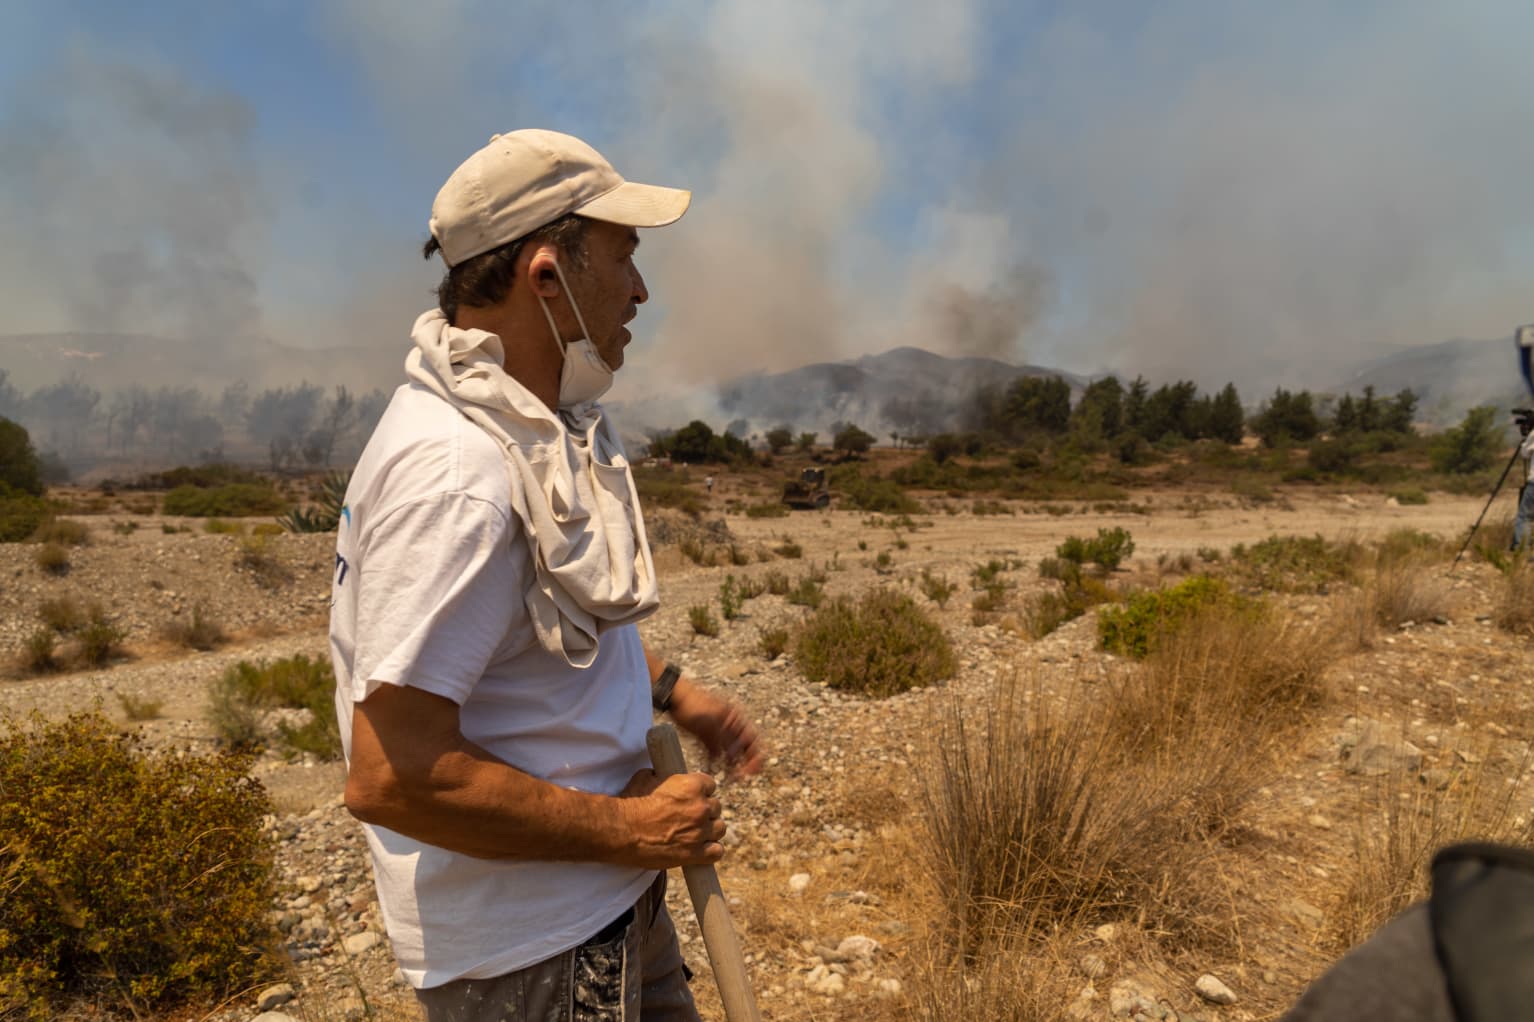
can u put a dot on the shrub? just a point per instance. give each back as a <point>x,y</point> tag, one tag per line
<point>806,593</point>
<point>20,515</point>
<point>325,513</point>
<point>773,642</point>
<point>1135,628</point>
<point>1044,612</point>
<point>245,696</point>
<point>767,511</point>
<point>63,615</point>
<point>219,527</point>
<point>879,646</point>
<point>776,582</point>
<point>147,880</point>
<point>871,494</point>
<point>255,556</point>
<point>196,631</point>
<point>63,532</point>
<point>937,588</point>
<point>730,598</point>
<point>1294,563</point>
<point>1108,549</point>
<point>232,500</point>
<point>136,708</point>
<point>53,559</point>
<point>1409,497</point>
<point>20,468</point>
<point>99,639</point>
<point>1469,447</point>
<point>702,620</point>
<point>789,549</point>
<point>38,652</point>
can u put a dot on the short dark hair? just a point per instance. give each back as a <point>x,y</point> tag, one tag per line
<point>485,279</point>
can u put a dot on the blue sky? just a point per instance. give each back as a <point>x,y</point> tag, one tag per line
<point>1219,190</point>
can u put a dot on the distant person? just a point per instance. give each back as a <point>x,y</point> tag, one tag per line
<point>708,484</point>
<point>492,687</point>
<point>1525,492</point>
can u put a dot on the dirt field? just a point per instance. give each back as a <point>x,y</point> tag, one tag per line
<point>821,842</point>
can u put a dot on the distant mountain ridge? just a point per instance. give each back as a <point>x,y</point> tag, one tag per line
<point>904,390</point>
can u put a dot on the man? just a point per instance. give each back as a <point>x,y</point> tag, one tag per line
<point>1525,514</point>
<point>492,688</point>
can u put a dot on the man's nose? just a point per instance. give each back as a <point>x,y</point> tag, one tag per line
<point>641,293</point>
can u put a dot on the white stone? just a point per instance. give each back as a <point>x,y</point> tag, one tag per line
<point>1213,991</point>
<point>358,943</point>
<point>831,986</point>
<point>274,996</point>
<point>888,987</point>
<point>798,882</point>
<point>857,948</point>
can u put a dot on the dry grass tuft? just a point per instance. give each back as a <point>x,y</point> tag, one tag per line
<point>1400,829</point>
<point>1514,609</point>
<point>1407,583</point>
<point>196,631</point>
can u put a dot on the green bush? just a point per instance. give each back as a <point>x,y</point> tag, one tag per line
<point>143,880</point>
<point>702,620</point>
<point>879,646</point>
<point>100,640</point>
<point>870,493</point>
<point>1469,447</point>
<point>232,500</point>
<point>329,501</point>
<point>1135,628</point>
<point>1108,549</point>
<point>205,477</point>
<point>247,692</point>
<point>21,514</point>
<point>773,642</point>
<point>767,511</point>
<point>20,468</point>
<point>1293,563</point>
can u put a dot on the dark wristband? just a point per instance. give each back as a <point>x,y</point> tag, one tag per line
<point>660,691</point>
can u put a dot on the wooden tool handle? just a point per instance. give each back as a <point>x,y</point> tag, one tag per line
<point>708,900</point>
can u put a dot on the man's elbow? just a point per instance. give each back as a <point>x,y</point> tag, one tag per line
<point>370,794</point>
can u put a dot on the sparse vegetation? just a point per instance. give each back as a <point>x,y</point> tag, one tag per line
<point>774,641</point>
<point>1293,563</point>
<point>198,630</point>
<point>251,703</point>
<point>1108,549</point>
<point>232,500</point>
<point>52,559</point>
<point>880,645</point>
<point>937,588</point>
<point>702,620</point>
<point>62,532</point>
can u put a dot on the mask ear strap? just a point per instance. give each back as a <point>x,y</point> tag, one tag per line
<point>580,320</point>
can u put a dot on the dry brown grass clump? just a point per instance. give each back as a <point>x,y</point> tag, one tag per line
<point>1401,828</point>
<point>197,631</point>
<point>1406,580</point>
<point>1514,608</point>
<point>1042,821</point>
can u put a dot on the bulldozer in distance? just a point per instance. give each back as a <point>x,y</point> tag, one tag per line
<point>808,492</point>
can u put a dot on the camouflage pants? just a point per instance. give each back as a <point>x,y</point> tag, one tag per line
<point>630,972</point>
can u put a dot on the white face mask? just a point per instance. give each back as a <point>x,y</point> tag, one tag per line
<point>585,376</point>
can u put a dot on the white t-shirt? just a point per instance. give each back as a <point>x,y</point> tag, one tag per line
<point>428,591</point>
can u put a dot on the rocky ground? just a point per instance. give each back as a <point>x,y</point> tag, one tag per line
<point>820,841</point>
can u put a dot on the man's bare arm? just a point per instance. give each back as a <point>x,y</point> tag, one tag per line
<point>414,772</point>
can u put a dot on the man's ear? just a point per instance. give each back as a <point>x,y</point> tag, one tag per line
<point>541,274</point>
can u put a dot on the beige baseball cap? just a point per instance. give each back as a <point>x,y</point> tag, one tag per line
<point>525,179</point>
